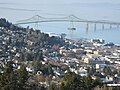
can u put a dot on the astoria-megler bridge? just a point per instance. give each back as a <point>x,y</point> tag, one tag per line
<point>71,18</point>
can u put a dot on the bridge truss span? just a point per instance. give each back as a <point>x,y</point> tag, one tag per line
<point>71,19</point>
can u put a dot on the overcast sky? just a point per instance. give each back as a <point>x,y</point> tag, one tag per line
<point>85,9</point>
<point>60,1</point>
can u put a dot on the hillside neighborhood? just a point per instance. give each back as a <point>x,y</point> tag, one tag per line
<point>47,59</point>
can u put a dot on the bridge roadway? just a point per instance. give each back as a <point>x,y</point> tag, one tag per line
<point>71,18</point>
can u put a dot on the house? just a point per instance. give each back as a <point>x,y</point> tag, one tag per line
<point>93,61</point>
<point>79,50</point>
<point>30,69</point>
<point>63,59</point>
<point>83,72</point>
<point>100,66</point>
<point>87,60</point>
<point>88,50</point>
<point>100,41</point>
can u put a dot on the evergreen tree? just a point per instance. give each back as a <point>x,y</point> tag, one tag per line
<point>22,78</point>
<point>107,70</point>
<point>52,86</point>
<point>7,78</point>
<point>12,79</point>
<point>72,81</point>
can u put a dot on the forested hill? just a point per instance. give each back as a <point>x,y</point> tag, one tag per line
<point>31,35</point>
<point>7,25</point>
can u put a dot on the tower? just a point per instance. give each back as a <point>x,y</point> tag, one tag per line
<point>71,28</point>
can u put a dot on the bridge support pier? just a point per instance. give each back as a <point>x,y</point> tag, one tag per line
<point>71,29</point>
<point>117,26</point>
<point>87,26</point>
<point>110,26</point>
<point>95,27</point>
<point>103,27</point>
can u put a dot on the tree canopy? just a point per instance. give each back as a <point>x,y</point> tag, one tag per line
<point>72,81</point>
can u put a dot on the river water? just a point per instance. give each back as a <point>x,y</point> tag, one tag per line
<point>85,9</point>
<point>107,34</point>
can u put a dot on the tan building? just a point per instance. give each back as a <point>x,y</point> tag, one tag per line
<point>78,50</point>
